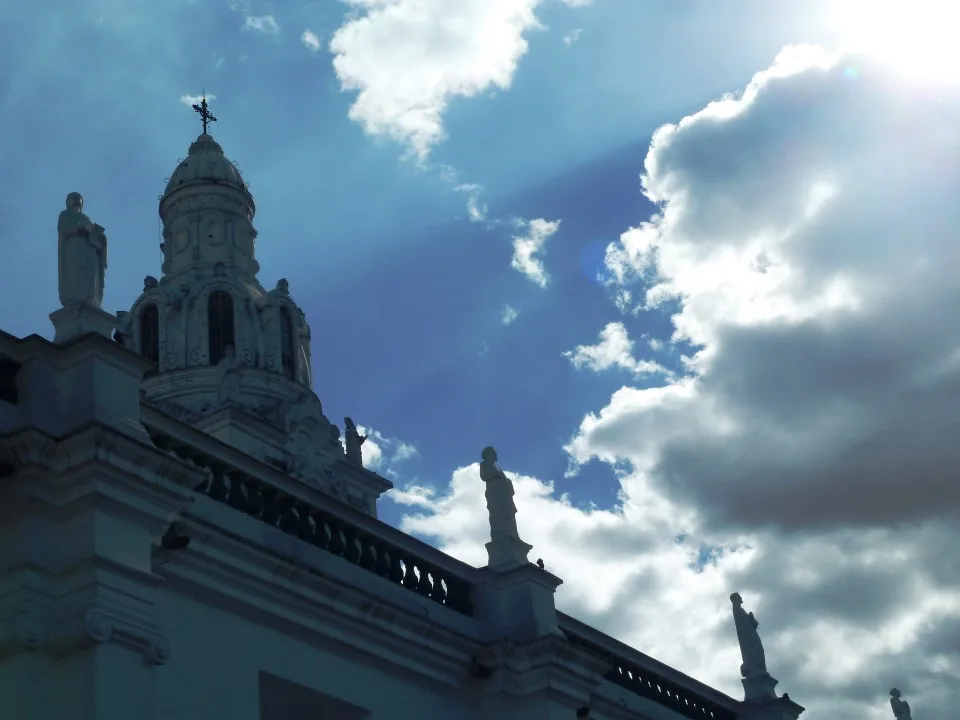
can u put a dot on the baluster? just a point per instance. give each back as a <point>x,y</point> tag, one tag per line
<point>304,527</point>
<point>439,593</point>
<point>271,507</point>
<point>351,552</point>
<point>425,585</point>
<point>382,568</point>
<point>289,522</point>
<point>337,544</point>
<point>218,487</point>
<point>368,560</point>
<point>236,498</point>
<point>410,579</point>
<point>254,500</point>
<point>396,569</point>
<point>321,538</point>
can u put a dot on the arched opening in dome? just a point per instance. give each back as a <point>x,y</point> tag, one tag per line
<point>287,354</point>
<point>150,332</point>
<point>220,325</point>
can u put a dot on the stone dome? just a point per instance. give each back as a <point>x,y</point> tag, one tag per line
<point>205,163</point>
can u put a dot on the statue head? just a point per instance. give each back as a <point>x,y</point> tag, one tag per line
<point>75,201</point>
<point>736,599</point>
<point>283,287</point>
<point>894,692</point>
<point>149,282</point>
<point>348,424</point>
<point>489,455</point>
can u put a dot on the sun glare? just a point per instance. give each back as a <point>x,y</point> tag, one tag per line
<point>918,37</point>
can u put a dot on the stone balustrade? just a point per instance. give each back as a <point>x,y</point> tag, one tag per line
<point>329,525</point>
<point>644,676</point>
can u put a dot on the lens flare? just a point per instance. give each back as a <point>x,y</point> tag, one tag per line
<point>917,37</point>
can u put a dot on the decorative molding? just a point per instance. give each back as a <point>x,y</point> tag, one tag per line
<point>96,624</point>
<point>23,632</point>
<point>83,629</point>
<point>550,663</point>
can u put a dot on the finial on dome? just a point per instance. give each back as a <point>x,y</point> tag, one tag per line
<point>205,114</point>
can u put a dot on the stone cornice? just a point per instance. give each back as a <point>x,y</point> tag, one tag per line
<point>548,664</point>
<point>132,474</point>
<point>316,597</point>
<point>58,356</point>
<point>231,457</point>
<point>81,628</point>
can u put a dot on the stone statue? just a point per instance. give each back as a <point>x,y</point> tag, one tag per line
<point>751,649</point>
<point>354,442</point>
<point>228,373</point>
<point>499,494</point>
<point>81,255</point>
<point>901,709</point>
<point>283,287</point>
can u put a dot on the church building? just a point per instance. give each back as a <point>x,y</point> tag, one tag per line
<point>186,536</point>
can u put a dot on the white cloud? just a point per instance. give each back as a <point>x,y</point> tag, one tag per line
<point>476,209</point>
<point>191,100</point>
<point>807,454</point>
<point>571,37</point>
<point>406,59</point>
<point>527,247</point>
<point>310,40</point>
<point>382,454</point>
<point>261,23</point>
<point>509,315</point>
<point>615,349</point>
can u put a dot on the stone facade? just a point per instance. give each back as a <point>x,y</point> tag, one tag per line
<point>186,539</point>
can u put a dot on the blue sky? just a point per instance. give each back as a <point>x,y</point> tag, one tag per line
<point>367,141</point>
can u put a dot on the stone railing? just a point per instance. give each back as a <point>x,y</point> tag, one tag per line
<point>268,495</point>
<point>648,678</point>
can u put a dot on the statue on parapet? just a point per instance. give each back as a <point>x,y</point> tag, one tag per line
<point>751,649</point>
<point>81,256</point>
<point>354,441</point>
<point>505,549</point>
<point>901,708</point>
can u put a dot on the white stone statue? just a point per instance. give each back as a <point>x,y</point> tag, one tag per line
<point>228,374</point>
<point>505,550</point>
<point>81,255</point>
<point>901,709</point>
<point>751,649</point>
<point>499,494</point>
<point>354,442</point>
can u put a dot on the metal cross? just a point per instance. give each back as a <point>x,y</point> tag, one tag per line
<point>205,114</point>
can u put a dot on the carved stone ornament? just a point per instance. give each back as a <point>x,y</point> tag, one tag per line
<point>311,447</point>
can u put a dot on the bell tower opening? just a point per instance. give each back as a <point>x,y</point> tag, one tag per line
<point>150,332</point>
<point>287,354</point>
<point>220,325</point>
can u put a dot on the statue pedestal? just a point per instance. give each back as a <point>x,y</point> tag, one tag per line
<point>73,322</point>
<point>517,603</point>
<point>759,687</point>
<point>506,553</point>
<point>771,708</point>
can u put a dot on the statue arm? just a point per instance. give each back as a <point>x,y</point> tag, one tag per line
<point>70,224</point>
